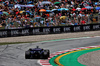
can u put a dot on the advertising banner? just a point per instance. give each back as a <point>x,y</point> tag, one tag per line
<point>48,30</point>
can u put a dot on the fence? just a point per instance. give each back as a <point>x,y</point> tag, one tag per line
<point>48,30</point>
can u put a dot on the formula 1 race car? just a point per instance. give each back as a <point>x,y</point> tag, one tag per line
<point>37,53</point>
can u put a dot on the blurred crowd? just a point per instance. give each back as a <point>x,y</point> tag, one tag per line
<point>36,13</point>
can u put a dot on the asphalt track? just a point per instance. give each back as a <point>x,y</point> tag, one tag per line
<point>13,55</point>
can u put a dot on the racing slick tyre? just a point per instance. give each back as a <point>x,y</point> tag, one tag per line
<point>45,57</point>
<point>46,54</point>
<point>27,55</point>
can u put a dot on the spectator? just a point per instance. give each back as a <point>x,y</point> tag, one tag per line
<point>83,22</point>
<point>18,13</point>
<point>3,23</point>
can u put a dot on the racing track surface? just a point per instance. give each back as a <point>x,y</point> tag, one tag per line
<point>13,55</point>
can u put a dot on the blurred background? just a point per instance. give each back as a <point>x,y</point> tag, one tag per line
<point>16,14</point>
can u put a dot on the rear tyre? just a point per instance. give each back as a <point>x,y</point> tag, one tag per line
<point>27,55</point>
<point>46,54</point>
<point>45,57</point>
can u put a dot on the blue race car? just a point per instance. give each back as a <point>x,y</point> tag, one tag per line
<point>37,53</point>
